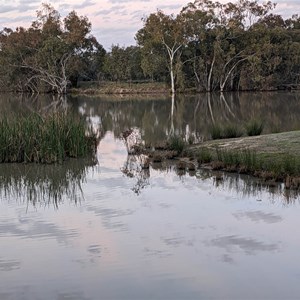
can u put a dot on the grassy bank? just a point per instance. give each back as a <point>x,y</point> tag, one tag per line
<point>273,157</point>
<point>45,139</point>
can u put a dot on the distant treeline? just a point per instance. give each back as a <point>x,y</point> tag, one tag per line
<point>208,46</point>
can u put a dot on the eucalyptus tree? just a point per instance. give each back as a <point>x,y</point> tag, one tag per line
<point>200,32</point>
<point>123,63</point>
<point>46,55</point>
<point>163,34</point>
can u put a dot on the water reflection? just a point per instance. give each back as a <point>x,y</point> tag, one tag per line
<point>44,184</point>
<point>13,105</point>
<point>146,233</point>
<point>259,216</point>
<point>247,185</point>
<point>9,265</point>
<point>133,168</point>
<point>250,246</point>
<point>191,116</point>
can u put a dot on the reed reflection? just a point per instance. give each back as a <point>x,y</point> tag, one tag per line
<point>191,116</point>
<point>44,184</point>
<point>246,185</point>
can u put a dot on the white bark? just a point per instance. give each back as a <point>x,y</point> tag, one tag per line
<point>171,53</point>
<point>227,73</point>
<point>57,80</point>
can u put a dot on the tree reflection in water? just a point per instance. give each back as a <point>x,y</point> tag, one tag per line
<point>44,184</point>
<point>136,166</point>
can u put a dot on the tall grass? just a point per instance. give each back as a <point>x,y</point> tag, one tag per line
<point>251,162</point>
<point>176,143</point>
<point>204,156</point>
<point>225,132</point>
<point>232,131</point>
<point>44,140</point>
<point>216,132</point>
<point>254,127</point>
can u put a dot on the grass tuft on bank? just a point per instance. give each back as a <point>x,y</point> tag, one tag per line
<point>47,139</point>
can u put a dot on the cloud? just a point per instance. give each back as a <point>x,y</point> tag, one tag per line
<point>113,21</point>
<point>117,9</point>
<point>126,1</point>
<point>84,4</point>
<point>7,8</point>
<point>171,6</point>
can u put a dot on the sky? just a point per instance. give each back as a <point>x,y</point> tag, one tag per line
<point>113,21</point>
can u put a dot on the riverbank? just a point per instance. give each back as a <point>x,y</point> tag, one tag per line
<point>121,88</point>
<point>272,157</point>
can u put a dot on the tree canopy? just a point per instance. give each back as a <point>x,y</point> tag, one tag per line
<point>231,46</point>
<point>49,55</point>
<point>207,46</point>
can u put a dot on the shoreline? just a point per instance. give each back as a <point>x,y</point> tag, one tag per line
<point>273,158</point>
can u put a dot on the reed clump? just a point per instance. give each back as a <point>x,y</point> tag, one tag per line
<point>47,139</point>
<point>176,143</point>
<point>225,132</point>
<point>250,162</point>
<point>254,127</point>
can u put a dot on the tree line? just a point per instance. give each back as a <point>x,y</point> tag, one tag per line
<point>207,46</point>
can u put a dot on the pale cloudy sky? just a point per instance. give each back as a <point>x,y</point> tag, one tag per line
<point>113,21</point>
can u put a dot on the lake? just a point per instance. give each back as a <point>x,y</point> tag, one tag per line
<point>107,229</point>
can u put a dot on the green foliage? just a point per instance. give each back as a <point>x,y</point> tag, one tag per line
<point>224,46</point>
<point>216,132</point>
<point>123,63</point>
<point>254,127</point>
<point>44,140</point>
<point>231,131</point>
<point>251,162</point>
<point>176,143</point>
<point>49,55</point>
<point>204,156</point>
<point>225,132</point>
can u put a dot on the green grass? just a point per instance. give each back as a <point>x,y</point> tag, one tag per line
<point>254,127</point>
<point>204,156</point>
<point>225,132</point>
<point>176,143</point>
<point>252,162</point>
<point>44,140</point>
<point>216,132</point>
<point>231,131</point>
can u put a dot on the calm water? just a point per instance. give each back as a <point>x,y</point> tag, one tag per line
<point>109,230</point>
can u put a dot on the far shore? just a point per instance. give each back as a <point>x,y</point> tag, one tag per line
<point>143,88</point>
